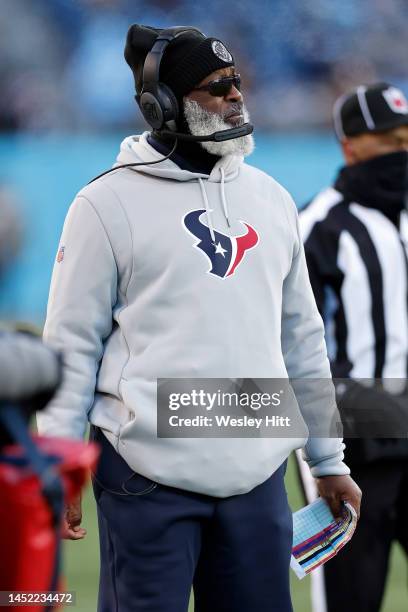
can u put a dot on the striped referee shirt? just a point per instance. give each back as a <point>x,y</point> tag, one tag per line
<point>358,267</point>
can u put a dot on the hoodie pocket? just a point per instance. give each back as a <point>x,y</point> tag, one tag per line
<point>113,474</point>
<point>135,485</point>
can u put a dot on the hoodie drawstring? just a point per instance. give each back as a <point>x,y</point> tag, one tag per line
<point>207,206</point>
<point>207,210</point>
<point>223,198</point>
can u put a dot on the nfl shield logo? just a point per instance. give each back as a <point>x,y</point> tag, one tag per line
<point>396,100</point>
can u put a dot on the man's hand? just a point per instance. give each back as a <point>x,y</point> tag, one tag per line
<point>335,489</point>
<point>71,529</point>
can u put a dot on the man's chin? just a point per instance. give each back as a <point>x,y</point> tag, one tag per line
<point>235,121</point>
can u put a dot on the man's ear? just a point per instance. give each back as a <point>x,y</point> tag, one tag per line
<point>349,152</point>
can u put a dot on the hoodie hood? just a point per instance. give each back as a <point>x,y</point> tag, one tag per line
<point>136,149</point>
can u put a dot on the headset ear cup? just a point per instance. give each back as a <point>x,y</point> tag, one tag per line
<point>169,105</point>
<point>151,109</point>
<point>160,109</point>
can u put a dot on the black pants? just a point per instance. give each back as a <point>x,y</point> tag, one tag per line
<point>158,541</point>
<point>355,578</point>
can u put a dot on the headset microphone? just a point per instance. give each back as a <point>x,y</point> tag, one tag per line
<point>229,134</point>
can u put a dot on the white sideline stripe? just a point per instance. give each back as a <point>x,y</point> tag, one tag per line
<point>317,588</point>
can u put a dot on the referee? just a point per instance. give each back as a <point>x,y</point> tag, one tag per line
<point>356,243</point>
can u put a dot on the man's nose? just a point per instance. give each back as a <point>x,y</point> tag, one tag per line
<point>234,95</point>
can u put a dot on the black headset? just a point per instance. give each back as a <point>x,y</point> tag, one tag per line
<point>157,102</point>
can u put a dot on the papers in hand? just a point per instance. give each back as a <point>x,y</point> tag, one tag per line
<point>317,536</point>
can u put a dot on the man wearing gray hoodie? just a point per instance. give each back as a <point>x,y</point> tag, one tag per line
<point>159,271</point>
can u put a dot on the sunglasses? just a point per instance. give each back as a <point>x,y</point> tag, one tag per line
<point>221,87</point>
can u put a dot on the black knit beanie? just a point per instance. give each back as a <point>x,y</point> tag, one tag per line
<point>187,60</point>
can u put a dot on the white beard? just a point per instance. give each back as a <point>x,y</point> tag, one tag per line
<point>201,123</point>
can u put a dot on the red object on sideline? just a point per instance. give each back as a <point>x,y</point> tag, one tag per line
<point>28,539</point>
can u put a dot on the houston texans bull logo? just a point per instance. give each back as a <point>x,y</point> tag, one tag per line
<point>225,252</point>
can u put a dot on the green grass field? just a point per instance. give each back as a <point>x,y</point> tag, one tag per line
<point>82,564</point>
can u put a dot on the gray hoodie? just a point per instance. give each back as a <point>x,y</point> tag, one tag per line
<point>148,284</point>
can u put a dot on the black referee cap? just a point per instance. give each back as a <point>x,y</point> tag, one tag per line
<point>370,108</point>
